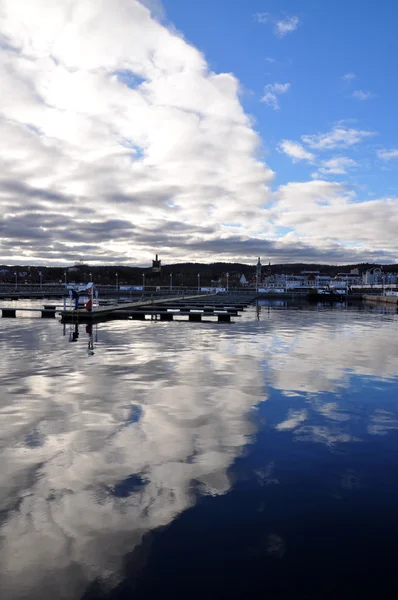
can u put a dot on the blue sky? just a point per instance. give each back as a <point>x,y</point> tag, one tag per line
<point>198,130</point>
<point>332,39</point>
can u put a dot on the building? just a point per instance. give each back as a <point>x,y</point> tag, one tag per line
<point>373,276</point>
<point>346,279</point>
<point>243,280</point>
<point>258,270</point>
<point>156,265</point>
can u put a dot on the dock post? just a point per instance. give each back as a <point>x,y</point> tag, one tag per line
<point>166,316</point>
<point>195,317</point>
<point>224,318</point>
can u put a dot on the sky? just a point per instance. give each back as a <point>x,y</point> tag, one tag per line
<point>201,131</point>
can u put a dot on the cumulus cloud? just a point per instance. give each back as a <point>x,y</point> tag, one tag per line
<point>103,107</point>
<point>118,142</point>
<point>271,93</point>
<point>339,137</point>
<point>327,215</point>
<point>339,165</point>
<point>361,95</point>
<point>295,151</point>
<point>285,26</point>
<point>388,154</point>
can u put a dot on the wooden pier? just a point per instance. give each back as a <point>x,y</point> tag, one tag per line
<point>217,306</point>
<point>47,312</point>
<point>222,307</point>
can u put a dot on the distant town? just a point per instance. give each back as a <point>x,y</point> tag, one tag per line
<point>190,274</point>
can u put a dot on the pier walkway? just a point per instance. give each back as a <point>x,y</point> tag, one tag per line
<point>219,306</point>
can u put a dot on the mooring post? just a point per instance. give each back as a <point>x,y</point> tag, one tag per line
<point>195,317</point>
<point>166,316</point>
<point>226,318</point>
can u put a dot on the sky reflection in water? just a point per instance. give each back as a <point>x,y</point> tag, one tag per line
<point>247,424</point>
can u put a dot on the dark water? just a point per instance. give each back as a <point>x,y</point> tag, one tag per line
<point>182,460</point>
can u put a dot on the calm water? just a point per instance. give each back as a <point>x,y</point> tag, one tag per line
<point>183,460</point>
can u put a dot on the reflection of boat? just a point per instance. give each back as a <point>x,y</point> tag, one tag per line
<point>327,295</point>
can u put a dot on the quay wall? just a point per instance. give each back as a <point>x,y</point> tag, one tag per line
<point>381,299</point>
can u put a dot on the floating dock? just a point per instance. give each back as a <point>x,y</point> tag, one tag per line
<point>217,306</point>
<point>47,312</point>
<point>222,307</point>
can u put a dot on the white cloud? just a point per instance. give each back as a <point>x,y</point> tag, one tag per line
<point>270,60</point>
<point>349,76</point>
<point>104,109</point>
<point>388,154</point>
<point>295,151</point>
<point>285,26</point>
<point>330,216</point>
<point>339,137</point>
<point>272,91</point>
<point>117,140</point>
<point>281,26</point>
<point>262,17</point>
<point>339,165</point>
<point>361,95</point>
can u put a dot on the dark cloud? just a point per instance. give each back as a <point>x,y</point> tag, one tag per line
<point>144,199</point>
<point>64,238</point>
<point>22,190</point>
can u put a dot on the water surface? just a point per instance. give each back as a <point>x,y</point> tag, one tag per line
<point>200,460</point>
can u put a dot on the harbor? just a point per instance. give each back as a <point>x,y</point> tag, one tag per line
<point>159,306</point>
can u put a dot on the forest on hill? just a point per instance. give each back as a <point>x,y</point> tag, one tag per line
<point>180,274</point>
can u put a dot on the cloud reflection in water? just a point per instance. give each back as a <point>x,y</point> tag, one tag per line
<point>98,450</point>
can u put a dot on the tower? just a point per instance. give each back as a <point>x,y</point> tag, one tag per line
<point>156,265</point>
<point>258,270</point>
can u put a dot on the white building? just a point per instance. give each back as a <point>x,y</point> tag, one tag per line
<point>373,276</point>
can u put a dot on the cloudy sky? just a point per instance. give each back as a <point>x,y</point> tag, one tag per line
<point>199,130</point>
